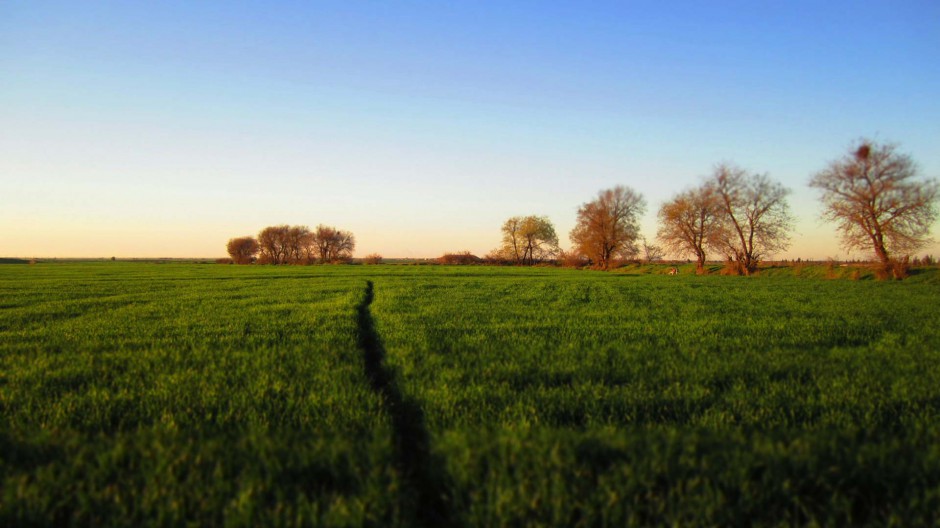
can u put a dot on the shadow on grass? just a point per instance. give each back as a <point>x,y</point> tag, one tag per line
<point>425,493</point>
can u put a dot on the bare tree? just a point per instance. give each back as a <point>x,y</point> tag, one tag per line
<point>300,245</point>
<point>242,249</point>
<point>284,244</point>
<point>528,240</point>
<point>690,223</point>
<point>651,252</point>
<point>274,244</point>
<point>333,245</point>
<point>755,215</point>
<point>874,197</point>
<point>608,226</point>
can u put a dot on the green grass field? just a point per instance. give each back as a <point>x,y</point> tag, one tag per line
<point>169,394</point>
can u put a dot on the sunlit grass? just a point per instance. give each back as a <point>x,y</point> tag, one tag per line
<point>204,394</point>
<point>175,394</point>
<point>562,397</point>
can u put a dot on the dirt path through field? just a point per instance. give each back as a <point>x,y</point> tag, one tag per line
<point>425,489</point>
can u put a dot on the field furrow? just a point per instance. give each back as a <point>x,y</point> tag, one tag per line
<point>424,495</point>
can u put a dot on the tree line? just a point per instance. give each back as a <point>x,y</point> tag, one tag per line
<point>873,194</point>
<point>285,244</point>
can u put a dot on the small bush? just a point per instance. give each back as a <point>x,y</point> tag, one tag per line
<point>897,269</point>
<point>882,271</point>
<point>497,258</point>
<point>459,259</point>
<point>572,259</point>
<point>732,267</point>
<point>372,258</point>
<point>798,268</point>
<point>224,261</point>
<point>901,268</point>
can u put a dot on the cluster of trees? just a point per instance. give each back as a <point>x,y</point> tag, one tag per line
<point>872,194</point>
<point>744,217</point>
<point>285,244</point>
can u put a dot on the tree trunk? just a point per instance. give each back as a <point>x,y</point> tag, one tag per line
<point>884,270</point>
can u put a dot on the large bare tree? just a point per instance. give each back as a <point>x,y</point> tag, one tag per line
<point>755,216</point>
<point>876,200</point>
<point>242,249</point>
<point>691,222</point>
<point>528,240</point>
<point>275,245</point>
<point>607,227</point>
<point>285,244</point>
<point>333,245</point>
<point>299,244</point>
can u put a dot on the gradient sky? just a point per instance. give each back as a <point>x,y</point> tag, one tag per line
<point>162,129</point>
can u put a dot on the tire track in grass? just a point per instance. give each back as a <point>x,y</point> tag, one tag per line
<point>424,490</point>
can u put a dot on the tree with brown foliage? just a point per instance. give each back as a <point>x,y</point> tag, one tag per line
<point>528,240</point>
<point>755,215</point>
<point>274,244</point>
<point>690,223</point>
<point>607,227</point>
<point>284,244</point>
<point>300,246</point>
<point>876,200</point>
<point>242,249</point>
<point>333,245</point>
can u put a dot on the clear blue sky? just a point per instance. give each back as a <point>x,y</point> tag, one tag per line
<point>165,128</point>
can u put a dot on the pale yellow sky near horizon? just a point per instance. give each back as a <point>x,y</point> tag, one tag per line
<point>140,130</point>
